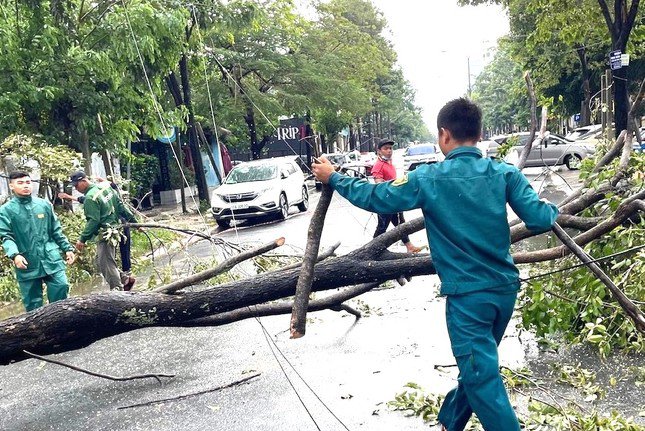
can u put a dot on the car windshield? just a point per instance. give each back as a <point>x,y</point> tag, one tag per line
<point>421,149</point>
<point>248,173</point>
<point>576,134</point>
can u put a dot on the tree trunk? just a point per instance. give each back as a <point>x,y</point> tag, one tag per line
<point>107,163</point>
<point>193,143</point>
<point>620,27</point>
<point>249,117</point>
<point>621,100</point>
<point>87,153</point>
<point>585,111</point>
<point>352,137</point>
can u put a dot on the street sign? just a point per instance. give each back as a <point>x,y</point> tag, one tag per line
<point>577,117</point>
<point>614,60</point>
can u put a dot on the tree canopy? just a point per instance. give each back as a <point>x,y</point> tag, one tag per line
<point>93,75</point>
<point>566,50</point>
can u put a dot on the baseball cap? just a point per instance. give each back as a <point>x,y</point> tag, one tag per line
<point>77,176</point>
<point>384,142</point>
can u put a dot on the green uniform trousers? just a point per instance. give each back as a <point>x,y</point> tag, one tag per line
<point>476,323</point>
<point>32,290</point>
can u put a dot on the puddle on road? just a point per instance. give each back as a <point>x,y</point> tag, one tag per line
<point>93,285</point>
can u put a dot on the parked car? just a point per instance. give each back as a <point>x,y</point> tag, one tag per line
<point>338,159</point>
<point>553,150</point>
<point>583,132</point>
<point>259,188</point>
<point>484,145</point>
<point>419,154</point>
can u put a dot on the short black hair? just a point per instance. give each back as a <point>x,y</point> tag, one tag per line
<point>18,174</point>
<point>462,117</point>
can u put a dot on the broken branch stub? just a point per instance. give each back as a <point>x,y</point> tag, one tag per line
<point>305,278</point>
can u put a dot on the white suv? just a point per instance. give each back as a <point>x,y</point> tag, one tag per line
<point>258,188</point>
<point>420,154</point>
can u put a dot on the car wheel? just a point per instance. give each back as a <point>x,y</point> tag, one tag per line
<point>224,224</point>
<point>573,161</point>
<point>284,207</point>
<point>304,205</point>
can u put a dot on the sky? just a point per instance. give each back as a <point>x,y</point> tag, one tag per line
<point>435,39</point>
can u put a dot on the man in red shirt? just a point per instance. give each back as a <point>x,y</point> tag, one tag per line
<point>383,170</point>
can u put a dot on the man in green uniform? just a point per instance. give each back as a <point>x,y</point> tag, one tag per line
<point>102,208</point>
<point>464,202</point>
<point>33,239</point>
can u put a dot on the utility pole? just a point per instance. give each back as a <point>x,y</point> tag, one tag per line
<point>469,87</point>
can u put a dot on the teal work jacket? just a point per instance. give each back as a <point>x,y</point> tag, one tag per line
<point>463,200</point>
<point>29,227</point>
<point>102,207</point>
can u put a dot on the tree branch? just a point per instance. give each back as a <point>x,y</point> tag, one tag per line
<point>103,376</point>
<point>284,307</point>
<point>624,211</point>
<point>181,397</point>
<point>303,287</point>
<point>607,15</point>
<point>328,252</point>
<point>222,267</point>
<point>627,305</point>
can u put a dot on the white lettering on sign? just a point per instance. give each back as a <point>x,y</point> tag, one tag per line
<point>287,132</point>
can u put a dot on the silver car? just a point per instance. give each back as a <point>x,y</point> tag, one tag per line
<point>552,151</point>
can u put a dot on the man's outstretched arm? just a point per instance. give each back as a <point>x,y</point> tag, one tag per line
<point>384,198</point>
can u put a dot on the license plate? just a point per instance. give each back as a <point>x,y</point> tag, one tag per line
<point>239,206</point>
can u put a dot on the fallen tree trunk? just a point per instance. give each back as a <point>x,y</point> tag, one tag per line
<point>79,321</point>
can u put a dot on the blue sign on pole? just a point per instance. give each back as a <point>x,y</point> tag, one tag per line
<point>576,118</point>
<point>614,60</point>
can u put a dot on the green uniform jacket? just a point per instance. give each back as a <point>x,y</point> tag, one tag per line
<point>102,208</point>
<point>29,227</point>
<point>464,205</point>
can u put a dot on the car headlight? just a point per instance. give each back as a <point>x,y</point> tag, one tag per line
<point>264,190</point>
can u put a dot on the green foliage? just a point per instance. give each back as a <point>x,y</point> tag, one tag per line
<point>574,304</point>
<point>501,93</point>
<point>415,402</point>
<point>84,267</point>
<point>542,415</point>
<point>144,171</point>
<point>564,48</point>
<point>55,162</point>
<point>8,284</point>
<point>71,72</point>
<point>580,378</point>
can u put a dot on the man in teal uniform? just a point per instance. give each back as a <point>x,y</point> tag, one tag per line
<point>33,239</point>
<point>464,205</point>
<point>102,208</point>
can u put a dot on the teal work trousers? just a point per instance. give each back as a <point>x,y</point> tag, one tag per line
<point>476,323</point>
<point>32,290</point>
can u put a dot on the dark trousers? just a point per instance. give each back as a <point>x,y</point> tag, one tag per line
<point>124,250</point>
<point>384,221</point>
